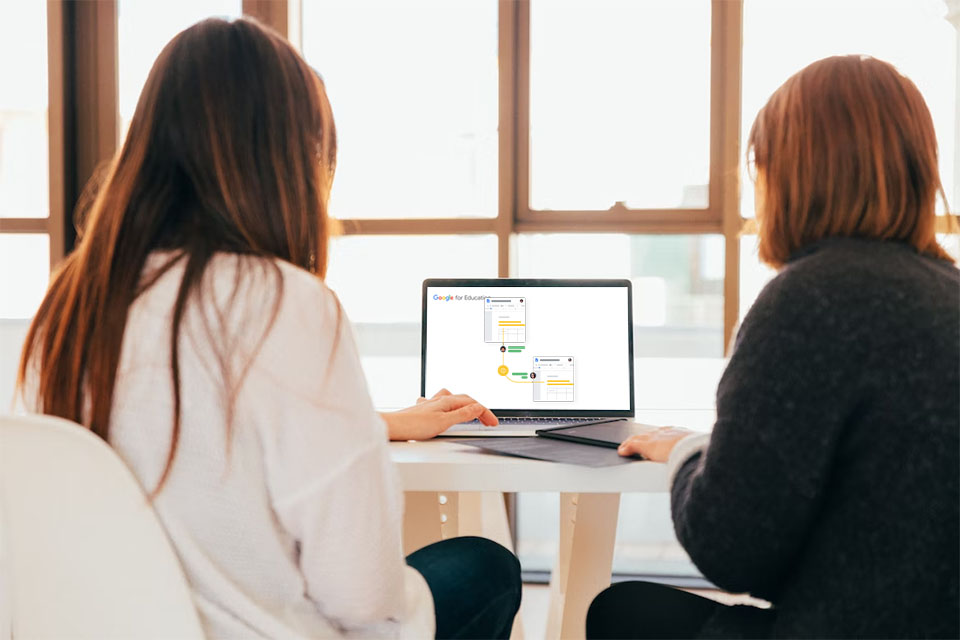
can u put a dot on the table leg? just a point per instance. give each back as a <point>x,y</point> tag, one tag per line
<point>588,530</point>
<point>421,520</point>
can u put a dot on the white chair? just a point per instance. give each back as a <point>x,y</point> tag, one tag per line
<point>82,554</point>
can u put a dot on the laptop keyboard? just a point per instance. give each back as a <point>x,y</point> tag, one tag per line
<point>541,421</point>
<point>524,424</point>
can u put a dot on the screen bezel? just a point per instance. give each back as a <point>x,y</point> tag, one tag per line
<point>533,282</point>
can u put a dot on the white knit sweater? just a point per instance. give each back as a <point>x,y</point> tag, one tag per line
<point>291,527</point>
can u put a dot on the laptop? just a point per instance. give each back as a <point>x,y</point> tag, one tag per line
<point>538,353</point>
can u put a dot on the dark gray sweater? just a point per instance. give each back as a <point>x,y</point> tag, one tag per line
<point>830,485</point>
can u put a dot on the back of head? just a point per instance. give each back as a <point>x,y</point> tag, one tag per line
<point>845,148</point>
<point>231,149</point>
<point>231,146</point>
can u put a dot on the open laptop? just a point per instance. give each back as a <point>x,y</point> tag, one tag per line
<point>538,353</point>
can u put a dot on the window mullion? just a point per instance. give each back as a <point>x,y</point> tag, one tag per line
<point>726,67</point>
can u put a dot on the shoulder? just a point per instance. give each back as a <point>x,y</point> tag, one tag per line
<point>854,288</point>
<point>858,263</point>
<point>829,265</point>
<point>272,288</point>
<point>260,275</point>
<point>232,276</point>
<point>850,273</point>
<point>256,312</point>
<point>288,330</point>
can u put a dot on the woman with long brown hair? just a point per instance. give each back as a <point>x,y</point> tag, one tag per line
<point>829,484</point>
<point>191,329</point>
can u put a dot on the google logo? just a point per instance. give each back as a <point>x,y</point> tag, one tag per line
<point>442,298</point>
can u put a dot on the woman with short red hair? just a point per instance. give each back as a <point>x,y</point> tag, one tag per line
<point>829,484</point>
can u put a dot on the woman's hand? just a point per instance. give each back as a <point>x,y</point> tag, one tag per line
<point>654,444</point>
<point>429,418</point>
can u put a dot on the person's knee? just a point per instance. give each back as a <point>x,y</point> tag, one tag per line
<point>496,563</point>
<point>610,604</point>
<point>498,558</point>
<point>607,600</point>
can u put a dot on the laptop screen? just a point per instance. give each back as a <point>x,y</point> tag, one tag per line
<point>531,347</point>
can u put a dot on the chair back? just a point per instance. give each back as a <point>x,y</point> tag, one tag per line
<point>82,553</point>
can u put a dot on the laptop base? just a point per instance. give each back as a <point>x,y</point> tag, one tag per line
<point>518,427</point>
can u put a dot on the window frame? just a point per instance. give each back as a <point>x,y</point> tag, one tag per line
<point>52,225</point>
<point>81,113</point>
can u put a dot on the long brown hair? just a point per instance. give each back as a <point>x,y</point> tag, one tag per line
<point>232,148</point>
<point>845,147</point>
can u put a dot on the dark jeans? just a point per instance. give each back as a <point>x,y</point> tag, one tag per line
<point>648,610</point>
<point>475,584</point>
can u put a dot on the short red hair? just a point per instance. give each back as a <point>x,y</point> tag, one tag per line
<point>845,147</point>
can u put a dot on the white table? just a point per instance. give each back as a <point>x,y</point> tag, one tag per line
<point>455,489</point>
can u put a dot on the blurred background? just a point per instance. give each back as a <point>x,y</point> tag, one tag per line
<point>484,138</point>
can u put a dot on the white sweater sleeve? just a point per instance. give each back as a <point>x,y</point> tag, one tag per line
<point>331,481</point>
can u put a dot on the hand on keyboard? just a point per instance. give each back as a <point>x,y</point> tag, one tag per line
<point>429,418</point>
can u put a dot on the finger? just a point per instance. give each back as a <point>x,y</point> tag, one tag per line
<point>465,414</point>
<point>633,446</point>
<point>421,400</point>
<point>487,418</point>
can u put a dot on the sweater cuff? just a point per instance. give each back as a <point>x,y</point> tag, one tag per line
<point>683,451</point>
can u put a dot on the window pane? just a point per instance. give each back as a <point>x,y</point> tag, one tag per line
<point>913,35</point>
<point>24,169</point>
<point>24,272</point>
<point>414,88</point>
<point>144,29</point>
<point>378,280</point>
<point>619,103</point>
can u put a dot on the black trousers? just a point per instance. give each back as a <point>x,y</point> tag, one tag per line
<point>475,584</point>
<point>648,610</point>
